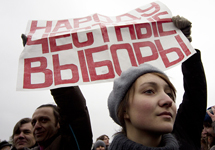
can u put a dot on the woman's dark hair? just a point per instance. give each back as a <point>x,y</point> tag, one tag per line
<point>102,137</point>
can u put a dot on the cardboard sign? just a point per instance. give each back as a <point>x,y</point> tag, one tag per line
<point>97,48</point>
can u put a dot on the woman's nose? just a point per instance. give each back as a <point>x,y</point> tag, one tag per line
<point>166,100</point>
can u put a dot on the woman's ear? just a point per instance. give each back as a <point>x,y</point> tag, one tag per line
<point>126,115</point>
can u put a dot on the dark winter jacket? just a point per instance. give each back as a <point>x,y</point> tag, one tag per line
<point>190,115</point>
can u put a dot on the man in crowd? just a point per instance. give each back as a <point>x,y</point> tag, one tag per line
<point>23,135</point>
<point>65,126</point>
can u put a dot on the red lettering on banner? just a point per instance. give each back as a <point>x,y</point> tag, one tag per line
<point>149,44</point>
<point>61,24</point>
<point>163,54</point>
<point>138,28</point>
<point>92,65</point>
<point>114,49</point>
<point>154,28</point>
<point>78,44</point>
<point>119,34</point>
<point>183,45</point>
<point>162,32</point>
<point>150,20</point>
<point>161,21</point>
<point>119,18</point>
<point>28,70</point>
<point>154,6</point>
<point>157,18</point>
<point>96,18</point>
<point>43,42</point>
<point>53,44</point>
<point>47,28</point>
<point>104,31</point>
<point>75,30</point>
<point>58,68</point>
<point>83,66</point>
<point>78,21</point>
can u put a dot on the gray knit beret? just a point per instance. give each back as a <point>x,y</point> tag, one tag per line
<point>98,143</point>
<point>122,85</point>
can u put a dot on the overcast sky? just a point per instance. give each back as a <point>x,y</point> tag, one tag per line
<point>15,14</point>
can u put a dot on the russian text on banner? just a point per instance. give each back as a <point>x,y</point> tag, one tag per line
<point>97,48</point>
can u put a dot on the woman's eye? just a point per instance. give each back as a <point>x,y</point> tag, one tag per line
<point>169,94</point>
<point>149,91</point>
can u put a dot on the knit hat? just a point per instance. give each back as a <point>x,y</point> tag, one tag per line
<point>122,85</point>
<point>4,143</point>
<point>207,117</point>
<point>98,143</point>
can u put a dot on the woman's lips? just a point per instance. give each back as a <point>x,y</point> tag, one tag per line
<point>167,114</point>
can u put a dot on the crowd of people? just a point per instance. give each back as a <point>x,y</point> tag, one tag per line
<point>142,102</point>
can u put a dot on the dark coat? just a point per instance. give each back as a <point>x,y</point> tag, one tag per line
<point>75,121</point>
<point>189,120</point>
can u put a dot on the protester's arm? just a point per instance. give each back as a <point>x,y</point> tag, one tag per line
<point>190,115</point>
<point>74,115</point>
<point>189,120</point>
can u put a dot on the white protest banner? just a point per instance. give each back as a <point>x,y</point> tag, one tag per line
<point>97,48</point>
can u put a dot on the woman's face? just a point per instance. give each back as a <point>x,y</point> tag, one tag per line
<point>151,107</point>
<point>106,140</point>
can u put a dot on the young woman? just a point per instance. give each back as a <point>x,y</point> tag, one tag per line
<point>142,102</point>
